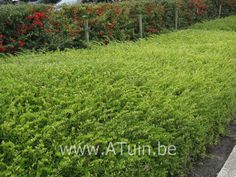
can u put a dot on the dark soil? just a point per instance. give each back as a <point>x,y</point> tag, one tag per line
<point>216,156</point>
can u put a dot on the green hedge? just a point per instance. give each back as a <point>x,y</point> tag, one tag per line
<point>226,24</point>
<point>176,88</point>
<point>42,26</point>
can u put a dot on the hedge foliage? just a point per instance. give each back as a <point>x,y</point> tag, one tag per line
<point>226,24</point>
<point>176,88</point>
<point>43,26</point>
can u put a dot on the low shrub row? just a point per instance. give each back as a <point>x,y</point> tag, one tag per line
<point>43,26</point>
<point>168,88</point>
<point>226,24</point>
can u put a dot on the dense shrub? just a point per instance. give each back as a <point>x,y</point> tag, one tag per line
<point>226,24</point>
<point>169,88</point>
<point>42,26</point>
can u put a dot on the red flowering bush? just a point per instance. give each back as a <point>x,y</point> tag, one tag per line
<point>37,19</point>
<point>43,27</point>
<point>200,6</point>
<point>2,48</point>
<point>17,30</point>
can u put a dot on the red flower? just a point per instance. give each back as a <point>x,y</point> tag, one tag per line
<point>200,7</point>
<point>37,18</point>
<point>47,30</point>
<point>21,43</point>
<point>37,23</point>
<point>37,15</point>
<point>2,49</point>
<point>1,36</point>
<point>152,30</point>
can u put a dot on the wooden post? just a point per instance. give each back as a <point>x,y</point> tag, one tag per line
<point>86,28</point>
<point>140,19</point>
<point>220,9</point>
<point>176,18</point>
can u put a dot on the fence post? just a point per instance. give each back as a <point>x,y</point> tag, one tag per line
<point>176,18</point>
<point>140,20</point>
<point>220,9</point>
<point>86,28</point>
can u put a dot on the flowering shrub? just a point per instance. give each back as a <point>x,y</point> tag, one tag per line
<point>201,7</point>
<point>37,19</point>
<point>41,26</point>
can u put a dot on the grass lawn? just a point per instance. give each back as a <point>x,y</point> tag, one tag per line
<point>176,89</point>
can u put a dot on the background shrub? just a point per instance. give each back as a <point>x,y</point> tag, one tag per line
<point>42,26</point>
